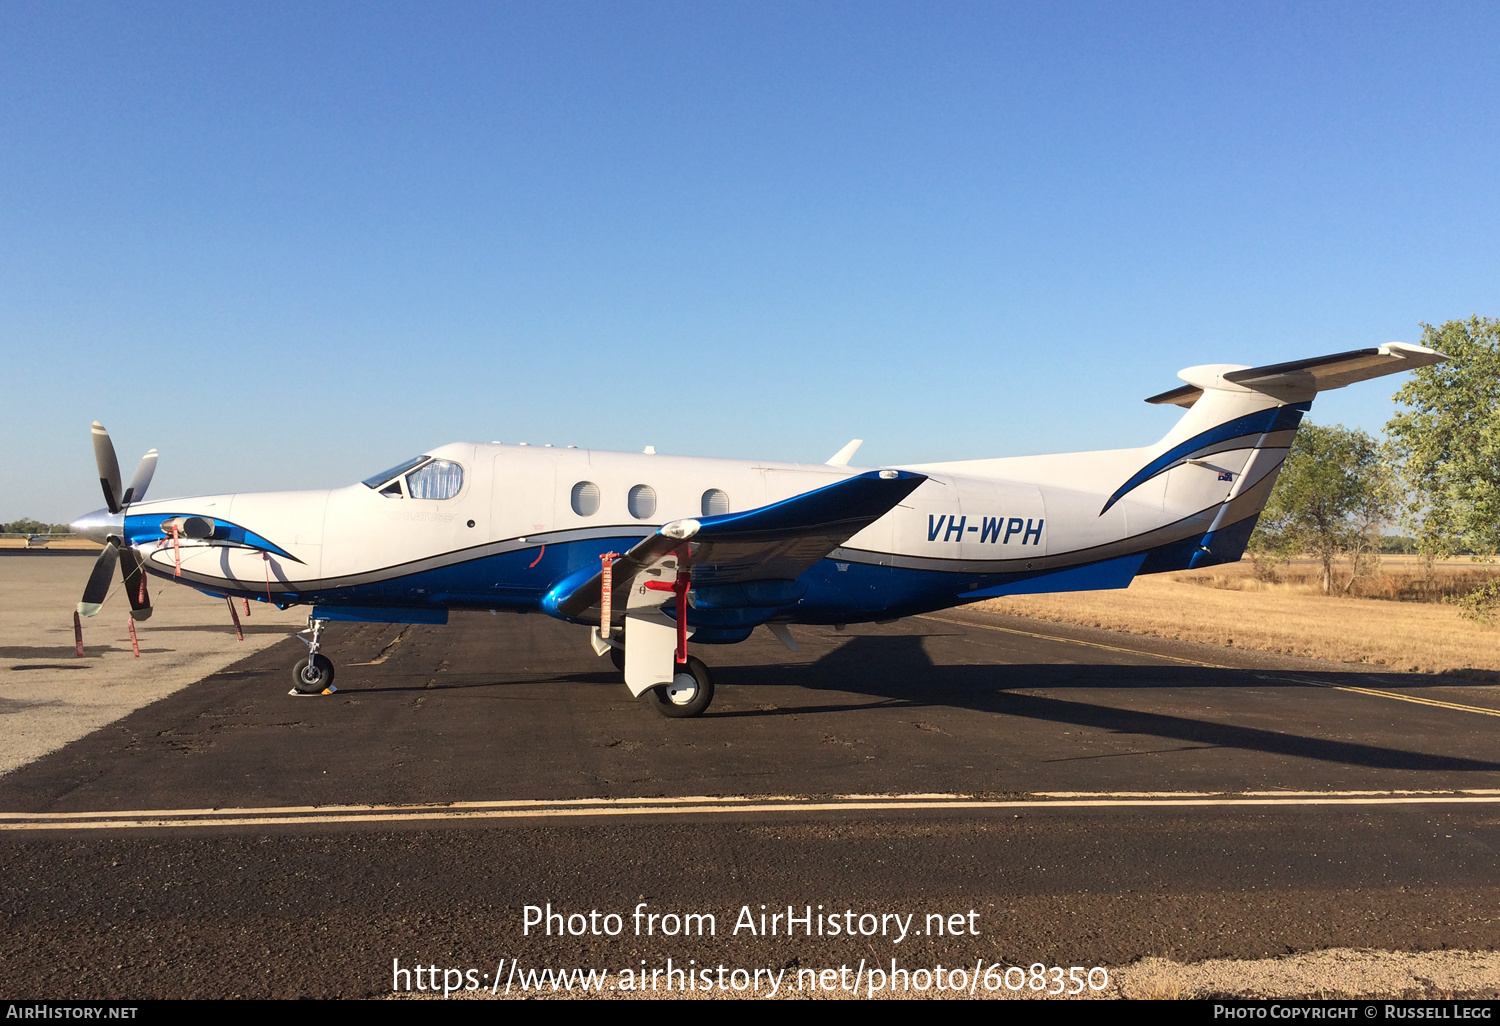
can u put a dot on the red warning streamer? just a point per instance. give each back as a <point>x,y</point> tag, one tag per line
<point>77,634</point>
<point>135,645</point>
<point>235,616</point>
<point>606,593</point>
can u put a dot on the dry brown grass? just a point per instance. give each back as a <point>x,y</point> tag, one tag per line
<point>1329,974</point>
<point>1230,606</point>
<point>1396,578</point>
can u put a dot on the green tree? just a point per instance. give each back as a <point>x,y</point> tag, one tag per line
<point>1330,501</point>
<point>28,526</point>
<point>1444,442</point>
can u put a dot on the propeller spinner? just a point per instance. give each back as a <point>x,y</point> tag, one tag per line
<point>109,528</point>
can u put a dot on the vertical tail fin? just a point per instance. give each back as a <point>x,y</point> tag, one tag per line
<point>1228,448</point>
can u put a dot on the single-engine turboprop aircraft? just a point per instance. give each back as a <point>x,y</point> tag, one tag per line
<point>651,550</point>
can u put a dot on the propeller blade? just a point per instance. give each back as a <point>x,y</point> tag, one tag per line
<point>109,468</point>
<point>98,587</point>
<point>142,480</point>
<point>133,573</point>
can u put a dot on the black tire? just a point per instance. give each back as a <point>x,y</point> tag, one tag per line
<point>617,656</point>
<point>661,699</point>
<point>312,681</point>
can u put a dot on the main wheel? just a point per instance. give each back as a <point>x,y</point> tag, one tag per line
<point>617,656</point>
<point>688,695</point>
<point>312,679</point>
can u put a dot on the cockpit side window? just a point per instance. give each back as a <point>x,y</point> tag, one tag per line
<point>385,475</point>
<point>440,479</point>
<point>392,490</point>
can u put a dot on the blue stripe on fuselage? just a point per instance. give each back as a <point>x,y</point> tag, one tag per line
<point>837,591</point>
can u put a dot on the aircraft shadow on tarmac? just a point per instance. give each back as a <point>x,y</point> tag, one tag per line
<point>65,652</point>
<point>897,668</point>
<point>209,628</point>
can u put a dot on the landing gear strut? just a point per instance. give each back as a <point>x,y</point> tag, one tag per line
<point>313,675</point>
<point>653,654</point>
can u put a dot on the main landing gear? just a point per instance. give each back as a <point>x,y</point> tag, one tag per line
<point>313,675</point>
<point>688,695</point>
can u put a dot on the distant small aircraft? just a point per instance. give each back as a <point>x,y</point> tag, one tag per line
<point>649,551</point>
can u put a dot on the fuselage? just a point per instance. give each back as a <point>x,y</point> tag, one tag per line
<point>514,520</point>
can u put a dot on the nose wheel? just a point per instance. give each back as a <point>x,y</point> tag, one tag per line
<point>313,675</point>
<point>689,693</point>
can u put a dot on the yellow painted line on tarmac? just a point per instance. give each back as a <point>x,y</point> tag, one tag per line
<point>705,806</point>
<point>1379,693</point>
<point>524,803</point>
<point>1476,791</point>
<point>1353,689</point>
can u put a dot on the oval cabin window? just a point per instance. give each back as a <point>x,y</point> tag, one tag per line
<point>642,501</point>
<point>715,503</point>
<point>585,498</point>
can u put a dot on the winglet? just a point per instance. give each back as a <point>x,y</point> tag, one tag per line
<point>844,455</point>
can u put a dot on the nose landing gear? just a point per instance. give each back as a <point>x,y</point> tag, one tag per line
<point>313,675</point>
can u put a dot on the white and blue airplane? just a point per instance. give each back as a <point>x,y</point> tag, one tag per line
<point>649,551</point>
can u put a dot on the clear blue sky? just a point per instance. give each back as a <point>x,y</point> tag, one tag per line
<point>289,244</point>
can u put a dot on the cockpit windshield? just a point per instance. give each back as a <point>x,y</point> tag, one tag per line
<point>385,475</point>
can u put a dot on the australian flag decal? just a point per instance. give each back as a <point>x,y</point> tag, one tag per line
<point>1226,475</point>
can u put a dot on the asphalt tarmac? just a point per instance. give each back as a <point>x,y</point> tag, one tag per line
<point>1073,797</point>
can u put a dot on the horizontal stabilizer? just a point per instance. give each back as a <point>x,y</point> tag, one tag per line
<point>1300,380</point>
<point>1182,395</point>
<point>778,541</point>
